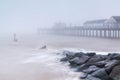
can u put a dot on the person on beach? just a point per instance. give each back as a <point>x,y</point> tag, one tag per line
<point>15,38</point>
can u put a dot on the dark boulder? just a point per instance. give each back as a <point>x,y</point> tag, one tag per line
<point>75,61</point>
<point>91,69</point>
<point>112,56</point>
<point>65,52</point>
<point>101,73</point>
<point>71,55</point>
<point>91,54</point>
<point>83,75</point>
<point>117,56</point>
<point>79,60</point>
<point>96,58</point>
<point>110,65</point>
<point>101,64</point>
<point>79,54</point>
<point>115,74</point>
<point>93,66</point>
<point>90,77</point>
<point>82,67</point>
<point>64,59</point>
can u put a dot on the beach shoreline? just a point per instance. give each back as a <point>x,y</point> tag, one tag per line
<point>24,60</point>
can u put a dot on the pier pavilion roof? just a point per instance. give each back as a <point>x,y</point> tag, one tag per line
<point>116,18</point>
<point>113,20</point>
<point>95,21</point>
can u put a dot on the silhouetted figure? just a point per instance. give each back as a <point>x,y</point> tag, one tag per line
<point>14,38</point>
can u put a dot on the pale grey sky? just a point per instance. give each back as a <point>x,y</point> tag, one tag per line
<point>27,15</point>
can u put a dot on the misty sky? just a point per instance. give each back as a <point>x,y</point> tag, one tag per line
<point>27,15</point>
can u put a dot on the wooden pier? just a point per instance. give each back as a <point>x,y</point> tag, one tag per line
<point>102,28</point>
<point>90,32</point>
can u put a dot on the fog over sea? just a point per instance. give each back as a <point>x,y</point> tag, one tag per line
<point>24,60</point>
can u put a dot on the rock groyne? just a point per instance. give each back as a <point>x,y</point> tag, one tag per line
<point>94,66</point>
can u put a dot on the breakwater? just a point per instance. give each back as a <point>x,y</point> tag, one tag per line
<point>94,66</point>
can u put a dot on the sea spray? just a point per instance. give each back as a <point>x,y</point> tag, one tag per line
<point>50,58</point>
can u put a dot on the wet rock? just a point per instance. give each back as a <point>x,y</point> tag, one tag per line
<point>75,61</point>
<point>64,59</point>
<point>81,67</point>
<point>90,77</point>
<point>83,75</point>
<point>96,58</point>
<point>116,57</point>
<point>79,60</point>
<point>93,66</point>
<point>112,56</point>
<point>101,73</point>
<point>91,54</point>
<point>71,55</point>
<point>80,54</point>
<point>110,65</point>
<point>115,74</point>
<point>66,52</point>
<point>101,64</point>
<point>91,69</point>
